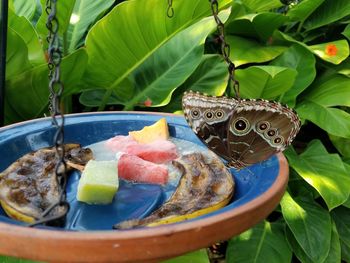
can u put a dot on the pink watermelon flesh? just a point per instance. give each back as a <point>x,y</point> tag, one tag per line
<point>160,151</point>
<point>120,143</point>
<point>133,168</point>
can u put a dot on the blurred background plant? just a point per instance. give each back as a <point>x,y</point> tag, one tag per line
<point>128,55</point>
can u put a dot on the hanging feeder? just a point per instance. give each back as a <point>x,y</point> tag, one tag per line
<point>87,235</point>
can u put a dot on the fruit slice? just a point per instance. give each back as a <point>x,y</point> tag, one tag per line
<point>133,168</point>
<point>157,131</point>
<point>98,183</point>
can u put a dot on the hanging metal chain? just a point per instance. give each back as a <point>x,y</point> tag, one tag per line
<point>225,48</point>
<point>170,9</point>
<point>56,90</point>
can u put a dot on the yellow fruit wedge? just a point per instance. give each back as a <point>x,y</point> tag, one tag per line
<point>179,218</point>
<point>13,213</point>
<point>148,134</point>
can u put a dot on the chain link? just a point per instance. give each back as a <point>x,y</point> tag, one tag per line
<point>170,9</point>
<point>56,89</point>
<point>225,48</point>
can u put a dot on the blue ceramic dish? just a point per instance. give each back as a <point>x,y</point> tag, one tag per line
<point>134,200</point>
<point>258,191</point>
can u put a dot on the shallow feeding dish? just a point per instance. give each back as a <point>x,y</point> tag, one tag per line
<point>88,235</point>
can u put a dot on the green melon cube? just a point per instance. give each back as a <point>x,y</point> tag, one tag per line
<point>99,182</point>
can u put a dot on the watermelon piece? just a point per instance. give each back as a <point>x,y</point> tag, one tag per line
<point>133,168</point>
<point>119,143</point>
<point>160,151</point>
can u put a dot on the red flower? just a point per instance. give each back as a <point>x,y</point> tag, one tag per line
<point>147,103</point>
<point>331,50</point>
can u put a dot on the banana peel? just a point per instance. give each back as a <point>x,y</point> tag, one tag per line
<point>205,186</point>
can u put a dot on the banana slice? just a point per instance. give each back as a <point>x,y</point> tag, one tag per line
<point>205,186</point>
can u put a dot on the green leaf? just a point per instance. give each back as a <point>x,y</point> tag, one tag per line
<point>265,81</point>
<point>330,181</point>
<point>16,55</point>
<point>27,32</point>
<point>331,92</point>
<point>114,55</point>
<point>84,14</point>
<point>296,248</point>
<point>334,255</point>
<point>334,52</point>
<point>346,32</point>
<point>210,77</point>
<point>262,243</point>
<point>303,9</point>
<point>260,25</point>
<point>310,225</point>
<point>341,217</point>
<point>199,256</point>
<point>64,11</point>
<point>330,11</point>
<point>342,145</point>
<point>332,120</point>
<point>25,8</point>
<point>262,5</point>
<point>246,50</point>
<point>302,60</point>
<point>33,87</point>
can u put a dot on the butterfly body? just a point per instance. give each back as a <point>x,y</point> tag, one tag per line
<point>241,131</point>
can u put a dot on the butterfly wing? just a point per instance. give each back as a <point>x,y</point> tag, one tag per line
<point>208,117</point>
<point>258,129</point>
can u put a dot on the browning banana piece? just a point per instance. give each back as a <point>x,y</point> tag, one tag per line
<point>29,186</point>
<point>205,186</point>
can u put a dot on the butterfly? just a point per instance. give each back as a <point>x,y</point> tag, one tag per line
<point>241,131</point>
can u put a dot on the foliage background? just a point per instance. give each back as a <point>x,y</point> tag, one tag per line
<point>128,55</point>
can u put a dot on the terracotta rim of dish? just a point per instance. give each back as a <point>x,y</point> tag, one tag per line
<point>156,243</point>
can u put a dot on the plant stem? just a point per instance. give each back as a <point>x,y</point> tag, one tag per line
<point>105,100</point>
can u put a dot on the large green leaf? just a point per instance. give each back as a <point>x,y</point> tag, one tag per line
<point>199,256</point>
<point>64,11</point>
<point>260,25</point>
<point>84,14</point>
<point>334,52</point>
<point>304,9</point>
<point>210,77</point>
<point>265,81</point>
<point>330,11</point>
<point>342,145</point>
<point>346,32</point>
<point>303,61</point>
<point>169,66</point>
<point>32,86</point>
<point>310,224</point>
<point>16,55</point>
<point>332,92</point>
<point>114,55</point>
<point>334,255</point>
<point>25,8</point>
<point>262,5</point>
<point>262,243</point>
<point>330,181</point>
<point>27,32</point>
<point>246,50</point>
<point>341,216</point>
<point>333,120</point>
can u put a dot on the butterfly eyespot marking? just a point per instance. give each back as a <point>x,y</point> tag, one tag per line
<point>271,132</point>
<point>195,113</point>
<point>219,114</point>
<point>209,115</point>
<point>240,126</point>
<point>262,126</point>
<point>278,140</point>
